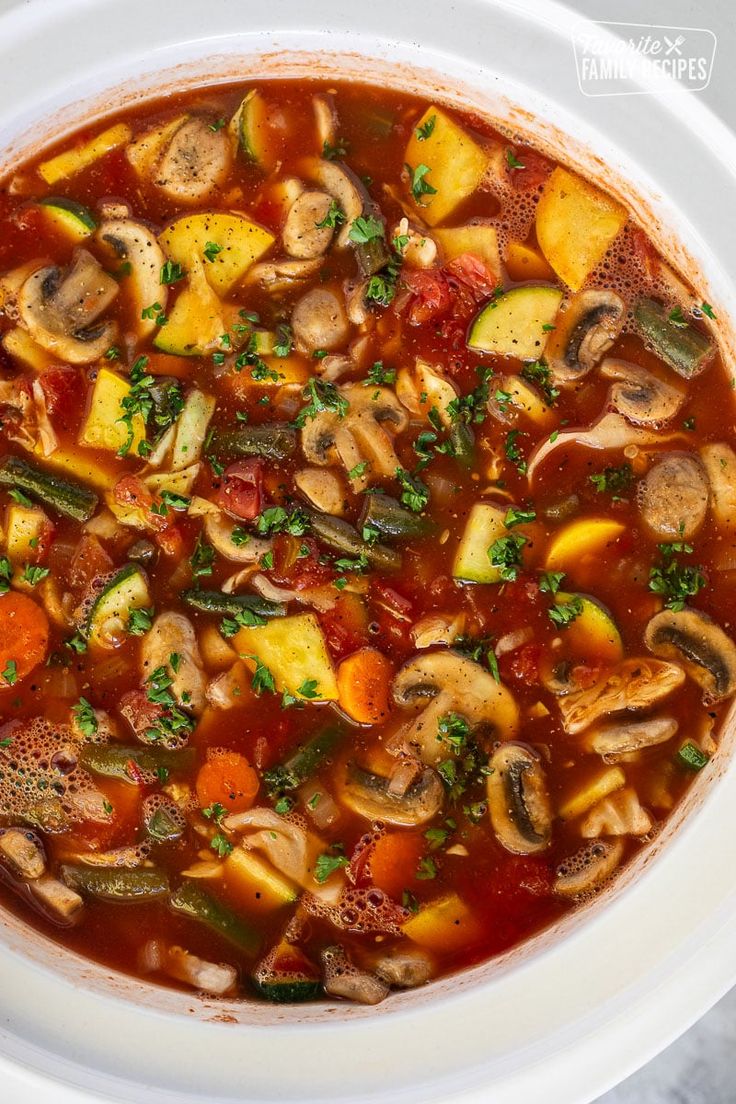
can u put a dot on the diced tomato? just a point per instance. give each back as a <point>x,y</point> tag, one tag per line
<point>645,252</point>
<point>298,571</point>
<point>140,713</point>
<point>523,664</point>
<point>89,562</point>
<point>171,541</point>
<point>518,876</point>
<point>241,491</point>
<point>345,625</point>
<point>131,491</point>
<point>63,392</point>
<point>430,295</point>
<point>536,170</point>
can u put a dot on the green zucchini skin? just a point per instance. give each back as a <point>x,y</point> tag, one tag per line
<point>305,761</point>
<point>392,520</point>
<point>289,990</point>
<point>341,536</point>
<point>192,901</point>
<point>70,499</point>
<point>111,760</point>
<point>685,349</point>
<point>273,442</point>
<point>70,207</point>
<point>216,601</point>
<point>116,883</point>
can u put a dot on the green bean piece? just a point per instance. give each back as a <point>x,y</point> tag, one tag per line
<point>679,344</point>
<point>117,883</point>
<point>216,601</point>
<point>66,497</point>
<point>339,535</point>
<point>272,441</point>
<point>304,762</point>
<point>115,760</point>
<point>389,518</point>
<point>192,901</point>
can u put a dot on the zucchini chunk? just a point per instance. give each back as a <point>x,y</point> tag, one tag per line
<point>103,427</point>
<point>286,976</point>
<point>74,160</point>
<point>71,499</point>
<point>250,878</point>
<point>593,633</point>
<point>126,591</point>
<point>456,164</point>
<point>238,243</point>
<point>196,323</point>
<point>295,652</point>
<point>516,323</point>
<point>575,224</point>
<point>72,218</point>
<point>251,133</point>
<point>484,526</point>
<point>25,527</point>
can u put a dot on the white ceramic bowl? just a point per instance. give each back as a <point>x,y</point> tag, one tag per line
<point>583,1005</point>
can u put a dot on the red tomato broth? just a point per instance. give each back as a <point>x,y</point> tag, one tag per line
<point>510,897</point>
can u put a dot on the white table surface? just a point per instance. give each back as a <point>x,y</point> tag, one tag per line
<point>699,1067</point>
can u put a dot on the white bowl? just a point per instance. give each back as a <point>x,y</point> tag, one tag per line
<point>581,1006</point>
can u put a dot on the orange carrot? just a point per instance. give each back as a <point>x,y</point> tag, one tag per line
<point>394,860</point>
<point>229,780</point>
<point>24,636</point>
<point>362,682</point>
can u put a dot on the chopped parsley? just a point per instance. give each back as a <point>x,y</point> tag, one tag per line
<point>424,131</point>
<point>518,517</point>
<point>202,558</point>
<point>414,493</point>
<point>262,677</point>
<point>513,452</point>
<point>10,673</point>
<point>221,845</point>
<point>85,717</point>
<point>505,554</point>
<point>171,273</point>
<point>140,620</point>
<point>154,313</point>
<point>33,574</point>
<point>326,865</point>
<point>275,519</point>
<point>673,580</point>
<point>284,341</point>
<point>244,618</point>
<point>365,229</point>
<point>427,868</point>
<point>335,217</point>
<point>691,757</point>
<point>6,574</point>
<point>332,153</point>
<point>564,613</point>
<point>613,480</point>
<point>211,250</point>
<point>538,373</point>
<point>512,161</point>
<point>420,186</point>
<point>551,581</point>
<point>321,396</point>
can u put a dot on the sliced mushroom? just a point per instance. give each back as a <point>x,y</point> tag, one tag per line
<point>404,967</point>
<point>361,434</point>
<point>371,796</point>
<point>719,460</point>
<point>303,235</point>
<point>518,801</point>
<point>281,276</point>
<point>589,868</point>
<point>633,685</point>
<point>325,119</point>
<point>196,160</point>
<point>624,736</point>
<point>131,241</point>
<point>585,329</point>
<point>60,309</point>
<point>639,395</point>
<point>707,652</point>
<point>444,682</point>
<point>319,321</point>
<point>436,629</point>
<point>219,531</point>
<point>611,431</point>
<point>340,183</point>
<point>323,489</point>
<point>343,979</point>
<point>23,851</point>
<point>173,634</point>
<point>673,497</point>
<point>425,388</point>
<point>619,814</point>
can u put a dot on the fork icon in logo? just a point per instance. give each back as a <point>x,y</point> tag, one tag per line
<point>673,45</point>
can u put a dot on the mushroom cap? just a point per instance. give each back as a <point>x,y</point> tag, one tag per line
<point>319,321</point>
<point>194,163</point>
<point>173,633</point>
<point>639,395</point>
<point>302,235</point>
<point>588,868</point>
<point>673,497</point>
<point>619,737</point>
<point>584,330</point>
<point>360,434</point>
<point>343,186</point>
<point>464,686</point>
<point>518,801</point>
<point>371,796</point>
<point>134,242</point>
<point>60,310</point>
<point>708,653</point>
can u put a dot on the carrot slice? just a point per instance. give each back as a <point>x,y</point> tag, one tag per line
<point>165,364</point>
<point>394,861</point>
<point>362,682</point>
<point>229,780</point>
<point>24,636</point>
